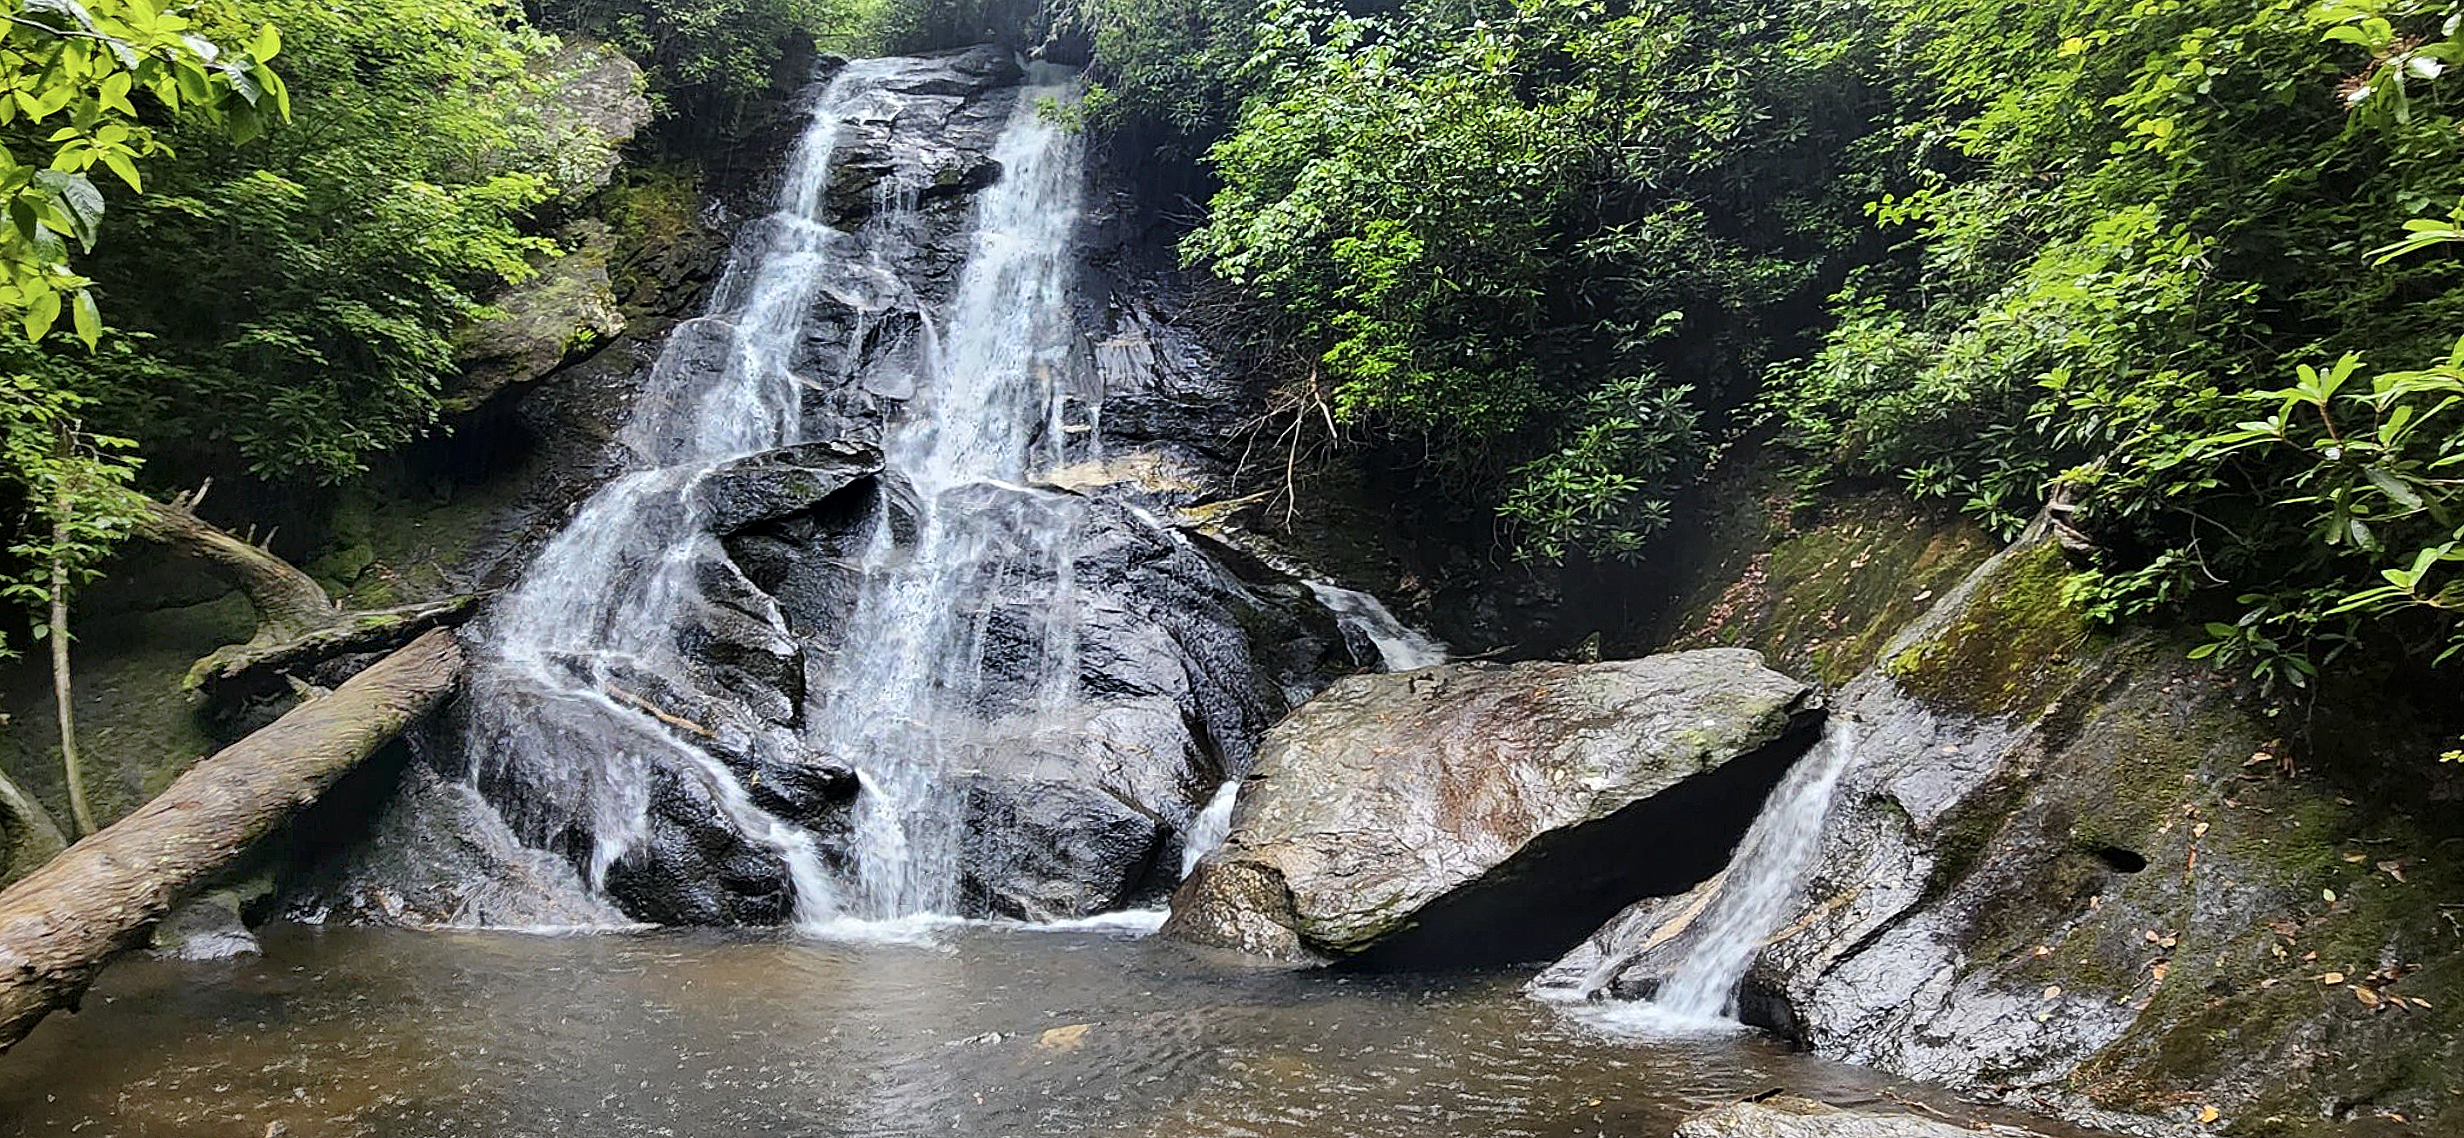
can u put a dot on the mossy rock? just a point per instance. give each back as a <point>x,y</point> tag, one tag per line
<point>2015,644</point>
<point>1820,587</point>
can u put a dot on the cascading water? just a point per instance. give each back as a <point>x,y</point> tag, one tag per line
<point>994,410</point>
<point>1763,877</point>
<point>554,703</point>
<point>844,643</point>
<point>1400,647</point>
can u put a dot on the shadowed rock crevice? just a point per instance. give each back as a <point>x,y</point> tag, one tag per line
<point>1559,888</point>
<point>1474,813</point>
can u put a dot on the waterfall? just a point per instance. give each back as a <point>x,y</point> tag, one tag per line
<point>1212,825</point>
<point>556,693</point>
<point>994,410</point>
<point>725,699</point>
<point>1763,878</point>
<point>1400,647</point>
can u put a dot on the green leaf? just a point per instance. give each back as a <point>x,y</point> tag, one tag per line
<point>41,314</point>
<point>118,163</point>
<point>89,319</point>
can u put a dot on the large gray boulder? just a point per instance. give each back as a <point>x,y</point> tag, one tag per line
<point>1478,813</point>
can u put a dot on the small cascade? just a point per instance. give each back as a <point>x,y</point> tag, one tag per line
<point>1400,647</point>
<point>1212,825</point>
<point>1762,880</point>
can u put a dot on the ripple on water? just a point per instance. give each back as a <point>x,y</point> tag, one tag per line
<point>965,1029</point>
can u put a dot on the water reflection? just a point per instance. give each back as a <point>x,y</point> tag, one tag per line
<point>981,1031</point>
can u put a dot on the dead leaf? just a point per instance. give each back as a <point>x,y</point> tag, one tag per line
<point>2394,869</point>
<point>2054,992</point>
<point>2158,970</point>
<point>2208,1115</point>
<point>1064,1038</point>
<point>2368,998</point>
<point>2332,978</point>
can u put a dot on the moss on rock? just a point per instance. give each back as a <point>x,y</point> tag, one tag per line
<point>1820,588</point>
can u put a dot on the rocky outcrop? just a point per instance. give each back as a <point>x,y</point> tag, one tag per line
<point>2077,871</point>
<point>1480,813</point>
<point>565,311</point>
<point>595,103</point>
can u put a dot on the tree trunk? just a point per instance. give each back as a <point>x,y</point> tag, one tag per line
<point>289,603</point>
<point>73,768</point>
<point>60,925</point>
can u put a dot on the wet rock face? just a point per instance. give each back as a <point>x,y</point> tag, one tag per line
<point>1478,813</point>
<point>1041,850</point>
<point>2066,869</point>
<point>1093,740</point>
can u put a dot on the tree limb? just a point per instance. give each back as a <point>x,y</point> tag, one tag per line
<point>289,603</point>
<point>374,630</point>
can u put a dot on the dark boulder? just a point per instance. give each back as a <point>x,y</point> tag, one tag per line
<point>1043,850</point>
<point>692,867</point>
<point>773,484</point>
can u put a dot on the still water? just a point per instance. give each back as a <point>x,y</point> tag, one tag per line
<point>1090,1033</point>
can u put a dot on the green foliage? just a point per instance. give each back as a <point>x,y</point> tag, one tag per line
<point>325,269</point>
<point>72,76</point>
<point>1542,240</point>
<point>706,54</point>
<point>72,485</point>
<point>1605,490</point>
<point>2122,220</point>
<point>1185,63</point>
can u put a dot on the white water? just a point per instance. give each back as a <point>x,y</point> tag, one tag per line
<point>966,560</point>
<point>992,410</point>
<point>1212,825</point>
<point>554,703</point>
<point>1402,647</point>
<point>1759,886</point>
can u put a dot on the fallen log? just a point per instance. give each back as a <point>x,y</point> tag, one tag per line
<point>370,630</point>
<point>63,922</point>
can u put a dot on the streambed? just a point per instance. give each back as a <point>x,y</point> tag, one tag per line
<point>968,1030</point>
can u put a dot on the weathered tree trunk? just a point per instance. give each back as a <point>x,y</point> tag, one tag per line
<point>297,623</point>
<point>289,603</point>
<point>60,925</point>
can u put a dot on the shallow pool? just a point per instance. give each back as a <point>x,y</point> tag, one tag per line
<point>964,1030</point>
